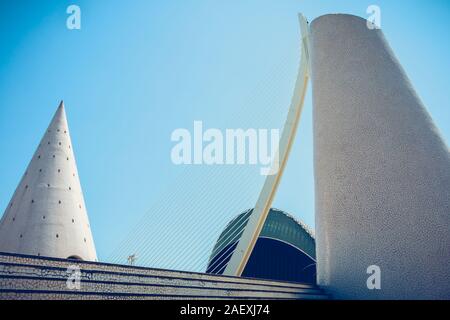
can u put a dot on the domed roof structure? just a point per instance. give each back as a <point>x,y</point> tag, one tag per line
<point>47,214</point>
<point>285,249</point>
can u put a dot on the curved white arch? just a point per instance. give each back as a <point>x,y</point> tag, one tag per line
<point>241,254</point>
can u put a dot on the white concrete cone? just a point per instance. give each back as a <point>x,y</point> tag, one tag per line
<point>382,171</point>
<point>47,215</point>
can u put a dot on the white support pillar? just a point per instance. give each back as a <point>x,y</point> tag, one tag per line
<point>382,171</point>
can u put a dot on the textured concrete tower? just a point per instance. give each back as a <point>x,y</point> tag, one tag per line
<point>47,215</point>
<point>382,171</point>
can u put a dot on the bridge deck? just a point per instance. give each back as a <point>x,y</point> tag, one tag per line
<point>31,277</point>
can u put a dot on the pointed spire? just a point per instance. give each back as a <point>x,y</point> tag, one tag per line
<point>47,214</point>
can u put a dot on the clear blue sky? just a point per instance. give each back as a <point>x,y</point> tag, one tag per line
<point>137,70</point>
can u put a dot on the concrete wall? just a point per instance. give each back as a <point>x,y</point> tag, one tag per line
<point>382,171</point>
<point>30,277</point>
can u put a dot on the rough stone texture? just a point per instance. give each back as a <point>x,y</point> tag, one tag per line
<point>382,171</point>
<point>47,214</point>
<point>28,277</point>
